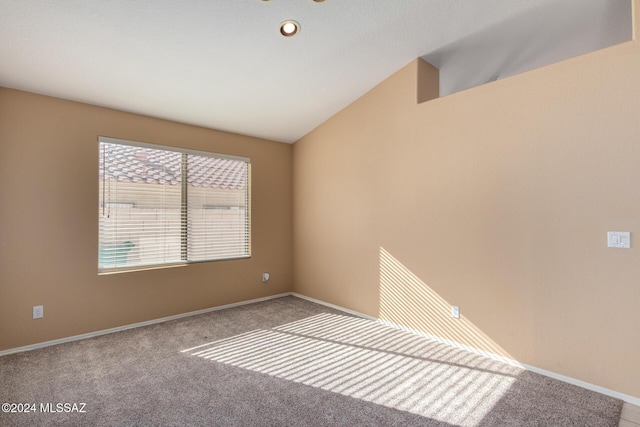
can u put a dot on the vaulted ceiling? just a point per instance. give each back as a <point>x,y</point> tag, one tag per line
<point>223,64</point>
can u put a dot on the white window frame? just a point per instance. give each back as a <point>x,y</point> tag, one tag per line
<point>184,234</point>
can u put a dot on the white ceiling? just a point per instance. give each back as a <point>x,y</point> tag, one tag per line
<point>223,64</point>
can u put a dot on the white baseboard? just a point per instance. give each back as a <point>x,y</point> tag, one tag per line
<point>336,307</point>
<point>624,397</point>
<point>135,325</point>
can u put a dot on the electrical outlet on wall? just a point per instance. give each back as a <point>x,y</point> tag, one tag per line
<point>38,311</point>
<point>455,311</point>
<point>265,277</point>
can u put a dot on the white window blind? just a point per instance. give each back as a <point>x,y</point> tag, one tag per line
<point>162,205</point>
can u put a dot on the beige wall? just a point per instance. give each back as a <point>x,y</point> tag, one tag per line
<point>49,223</point>
<point>496,199</point>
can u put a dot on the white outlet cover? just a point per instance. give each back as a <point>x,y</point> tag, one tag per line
<point>38,311</point>
<point>455,311</point>
<point>265,277</point>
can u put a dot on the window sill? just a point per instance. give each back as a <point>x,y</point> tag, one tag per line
<point>139,268</point>
<point>163,266</point>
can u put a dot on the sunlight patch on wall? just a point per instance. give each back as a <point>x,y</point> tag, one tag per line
<point>367,360</point>
<point>406,301</point>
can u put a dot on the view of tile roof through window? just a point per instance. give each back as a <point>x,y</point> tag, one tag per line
<point>137,164</point>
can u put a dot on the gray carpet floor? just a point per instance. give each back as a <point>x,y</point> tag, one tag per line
<point>283,362</point>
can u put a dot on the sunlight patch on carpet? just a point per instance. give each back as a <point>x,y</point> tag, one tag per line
<point>366,360</point>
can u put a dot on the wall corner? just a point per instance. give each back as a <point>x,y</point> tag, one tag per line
<point>635,17</point>
<point>428,81</point>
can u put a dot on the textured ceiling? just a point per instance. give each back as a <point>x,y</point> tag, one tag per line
<point>223,64</point>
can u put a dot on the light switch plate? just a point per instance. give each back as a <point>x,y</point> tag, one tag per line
<point>619,239</point>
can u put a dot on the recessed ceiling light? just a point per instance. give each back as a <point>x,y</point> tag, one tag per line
<point>289,28</point>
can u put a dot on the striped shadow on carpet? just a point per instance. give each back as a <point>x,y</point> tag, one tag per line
<point>290,362</point>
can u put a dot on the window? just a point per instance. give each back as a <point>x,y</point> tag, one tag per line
<point>163,205</point>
